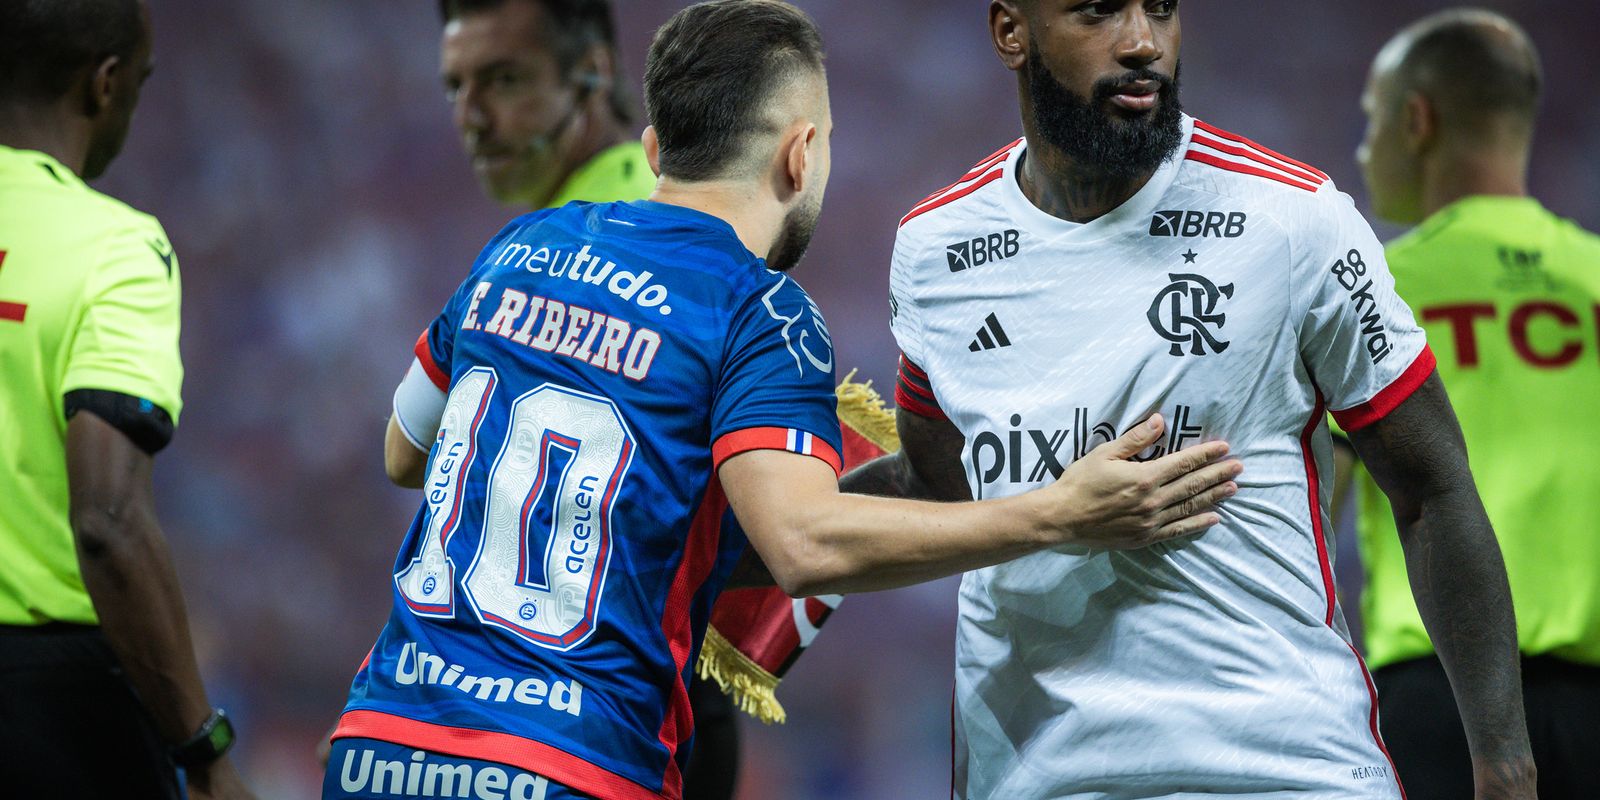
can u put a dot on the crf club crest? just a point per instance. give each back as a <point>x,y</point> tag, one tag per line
<point>1185,313</point>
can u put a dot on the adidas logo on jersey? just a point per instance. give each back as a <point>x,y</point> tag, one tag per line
<point>991,336</point>
<point>983,250</point>
<point>1202,224</point>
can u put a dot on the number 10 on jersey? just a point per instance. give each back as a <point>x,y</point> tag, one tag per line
<point>538,568</point>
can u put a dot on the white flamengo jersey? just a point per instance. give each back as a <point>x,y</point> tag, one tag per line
<point>1241,295</point>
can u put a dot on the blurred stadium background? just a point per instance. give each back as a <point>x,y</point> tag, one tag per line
<point>300,154</point>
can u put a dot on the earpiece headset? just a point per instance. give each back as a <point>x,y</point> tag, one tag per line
<point>587,83</point>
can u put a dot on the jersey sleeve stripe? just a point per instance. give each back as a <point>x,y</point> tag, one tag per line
<point>1355,418</point>
<point>1242,152</point>
<point>952,196</point>
<point>792,440</point>
<point>425,357</point>
<point>906,401</point>
<point>997,157</point>
<point>993,159</point>
<point>1237,139</point>
<point>554,763</point>
<point>1246,169</point>
<point>913,392</point>
<point>915,378</point>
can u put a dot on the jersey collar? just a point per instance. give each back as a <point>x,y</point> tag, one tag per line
<point>43,163</point>
<point>1137,209</point>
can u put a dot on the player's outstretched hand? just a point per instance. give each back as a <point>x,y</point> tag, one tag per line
<point>1116,503</point>
<point>219,781</point>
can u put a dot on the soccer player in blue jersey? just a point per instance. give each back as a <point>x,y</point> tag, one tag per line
<point>616,398</point>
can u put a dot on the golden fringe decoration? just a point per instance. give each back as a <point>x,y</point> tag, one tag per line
<point>862,409</point>
<point>752,688</point>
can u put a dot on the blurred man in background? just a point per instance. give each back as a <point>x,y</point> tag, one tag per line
<point>539,97</point>
<point>100,693</point>
<point>1510,295</point>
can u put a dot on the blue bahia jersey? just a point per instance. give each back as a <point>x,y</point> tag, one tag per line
<point>601,361</point>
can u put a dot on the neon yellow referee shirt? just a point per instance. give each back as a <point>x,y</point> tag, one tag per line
<point>89,296</point>
<point>1510,297</point>
<point>619,172</point>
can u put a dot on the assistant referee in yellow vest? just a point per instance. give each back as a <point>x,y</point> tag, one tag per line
<point>100,695</point>
<point>1510,297</point>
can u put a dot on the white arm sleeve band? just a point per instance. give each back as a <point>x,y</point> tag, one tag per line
<point>418,407</point>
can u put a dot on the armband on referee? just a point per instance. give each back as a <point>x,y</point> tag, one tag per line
<point>146,424</point>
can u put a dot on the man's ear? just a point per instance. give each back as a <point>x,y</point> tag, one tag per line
<point>652,148</point>
<point>1420,121</point>
<point>102,86</point>
<point>797,161</point>
<point>1009,33</point>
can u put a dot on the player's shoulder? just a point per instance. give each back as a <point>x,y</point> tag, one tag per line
<point>972,195</point>
<point>1226,163</point>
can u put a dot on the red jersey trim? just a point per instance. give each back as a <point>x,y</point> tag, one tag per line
<point>1372,719</point>
<point>914,393</point>
<point>503,748</point>
<point>793,440</point>
<point>1246,169</point>
<point>1237,139</point>
<point>429,365</point>
<point>909,402</point>
<point>1244,152</point>
<point>951,197</point>
<point>997,157</point>
<point>1355,418</point>
<point>1313,492</point>
<point>699,556</point>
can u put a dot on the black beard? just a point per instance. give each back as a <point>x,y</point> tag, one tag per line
<point>1095,139</point>
<point>798,225</point>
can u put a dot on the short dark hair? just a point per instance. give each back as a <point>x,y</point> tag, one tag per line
<point>1474,64</point>
<point>43,43</point>
<point>711,70</point>
<point>575,26</point>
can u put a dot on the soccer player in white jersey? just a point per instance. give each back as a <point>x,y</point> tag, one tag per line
<point>1123,258</point>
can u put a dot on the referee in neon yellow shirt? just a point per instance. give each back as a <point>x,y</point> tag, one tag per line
<point>1510,297</point>
<point>100,695</point>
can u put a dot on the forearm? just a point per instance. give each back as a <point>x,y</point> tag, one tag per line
<point>853,543</point>
<point>1459,580</point>
<point>886,476</point>
<point>129,576</point>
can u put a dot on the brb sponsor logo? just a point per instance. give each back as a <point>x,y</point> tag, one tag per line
<point>983,250</point>
<point>1185,313</point>
<point>1029,455</point>
<point>1198,224</point>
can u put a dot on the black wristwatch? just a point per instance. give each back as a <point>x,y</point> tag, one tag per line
<point>207,744</point>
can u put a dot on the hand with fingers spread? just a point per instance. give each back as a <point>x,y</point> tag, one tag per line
<point>1109,501</point>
